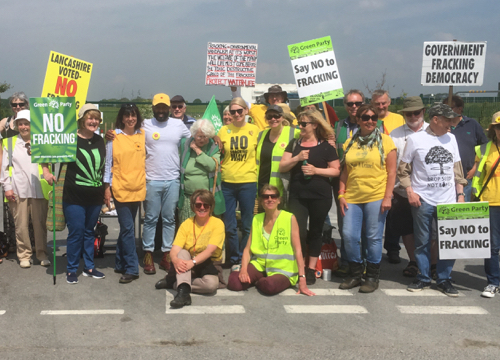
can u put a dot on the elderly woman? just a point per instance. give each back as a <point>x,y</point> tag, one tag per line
<point>22,183</point>
<point>125,180</point>
<point>198,240</point>
<point>272,259</point>
<point>226,116</point>
<point>200,168</point>
<point>83,194</point>
<point>311,161</point>
<point>239,177</point>
<point>486,186</point>
<point>366,185</point>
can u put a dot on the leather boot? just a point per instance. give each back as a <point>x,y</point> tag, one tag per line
<point>182,298</point>
<point>167,282</point>
<point>354,279</point>
<point>165,261</point>
<point>149,265</point>
<point>372,276</point>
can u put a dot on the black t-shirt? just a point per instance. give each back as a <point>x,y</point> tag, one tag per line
<point>317,187</point>
<point>266,155</point>
<point>83,184</point>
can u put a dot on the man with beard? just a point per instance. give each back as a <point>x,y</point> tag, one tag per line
<point>381,100</point>
<point>163,135</point>
<point>178,107</point>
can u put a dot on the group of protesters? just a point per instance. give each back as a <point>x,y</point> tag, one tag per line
<point>274,173</point>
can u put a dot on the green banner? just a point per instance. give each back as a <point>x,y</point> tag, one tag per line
<point>212,113</point>
<point>462,211</point>
<point>311,47</point>
<point>53,129</point>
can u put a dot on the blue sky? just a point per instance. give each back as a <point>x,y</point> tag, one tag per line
<point>156,46</point>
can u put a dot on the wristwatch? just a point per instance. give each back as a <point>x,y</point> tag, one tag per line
<point>302,276</point>
<point>460,194</point>
<point>193,260</point>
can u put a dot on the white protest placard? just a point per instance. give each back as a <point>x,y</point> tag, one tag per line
<point>464,230</point>
<point>315,70</point>
<point>453,63</point>
<point>231,64</point>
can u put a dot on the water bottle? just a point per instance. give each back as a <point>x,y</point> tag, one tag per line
<point>307,177</point>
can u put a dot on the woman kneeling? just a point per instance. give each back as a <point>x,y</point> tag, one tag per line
<point>198,241</point>
<point>272,259</point>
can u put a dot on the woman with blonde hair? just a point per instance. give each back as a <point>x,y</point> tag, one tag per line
<point>311,161</point>
<point>239,176</point>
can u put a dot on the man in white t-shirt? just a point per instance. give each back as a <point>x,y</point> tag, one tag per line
<point>431,172</point>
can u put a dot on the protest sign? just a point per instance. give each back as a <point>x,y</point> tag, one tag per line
<point>212,113</point>
<point>53,129</point>
<point>67,76</point>
<point>231,64</point>
<point>463,230</point>
<point>316,72</point>
<point>453,63</point>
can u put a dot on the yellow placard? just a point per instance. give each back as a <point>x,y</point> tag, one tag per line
<point>67,76</point>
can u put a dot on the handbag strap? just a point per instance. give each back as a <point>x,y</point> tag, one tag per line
<point>215,175</point>
<point>489,177</point>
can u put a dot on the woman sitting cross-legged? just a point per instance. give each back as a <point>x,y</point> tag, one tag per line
<point>272,259</point>
<point>198,241</point>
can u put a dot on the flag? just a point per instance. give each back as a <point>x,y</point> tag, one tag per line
<point>212,113</point>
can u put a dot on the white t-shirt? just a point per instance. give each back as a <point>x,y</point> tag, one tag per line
<point>432,159</point>
<point>162,148</point>
<point>399,135</point>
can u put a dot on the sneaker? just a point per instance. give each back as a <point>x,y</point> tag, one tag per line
<point>128,278</point>
<point>490,291</point>
<point>93,273</point>
<point>45,263</point>
<point>447,288</point>
<point>236,267</point>
<point>418,285</point>
<point>25,264</point>
<point>149,265</point>
<point>71,278</point>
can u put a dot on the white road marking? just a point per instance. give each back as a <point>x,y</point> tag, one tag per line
<point>453,310</point>
<point>404,292</point>
<point>83,312</point>
<point>325,309</point>
<point>224,292</point>
<point>219,309</point>
<point>2,312</point>
<point>319,292</point>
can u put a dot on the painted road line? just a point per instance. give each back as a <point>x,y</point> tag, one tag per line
<point>219,309</point>
<point>83,312</point>
<point>325,309</point>
<point>404,292</point>
<point>224,292</point>
<point>319,292</point>
<point>2,312</point>
<point>452,310</point>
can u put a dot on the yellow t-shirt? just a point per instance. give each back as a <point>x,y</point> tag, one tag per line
<point>258,114</point>
<point>492,191</point>
<point>213,234</point>
<point>240,143</point>
<point>392,121</point>
<point>367,179</point>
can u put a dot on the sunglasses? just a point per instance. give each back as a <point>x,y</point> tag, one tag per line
<point>175,107</point>
<point>126,106</point>
<point>273,116</point>
<point>303,123</point>
<point>368,117</point>
<point>239,111</point>
<point>351,103</point>
<point>410,113</point>
<point>269,196</point>
<point>21,104</point>
<point>28,148</point>
<point>198,206</point>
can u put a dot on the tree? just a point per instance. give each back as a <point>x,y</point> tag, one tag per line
<point>4,87</point>
<point>379,84</point>
<point>439,155</point>
<point>197,101</point>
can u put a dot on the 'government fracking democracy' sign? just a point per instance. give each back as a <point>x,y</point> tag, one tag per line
<point>231,64</point>
<point>453,63</point>
<point>67,76</point>
<point>316,72</point>
<point>463,230</point>
<point>53,129</point>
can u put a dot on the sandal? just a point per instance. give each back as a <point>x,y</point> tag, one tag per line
<point>411,270</point>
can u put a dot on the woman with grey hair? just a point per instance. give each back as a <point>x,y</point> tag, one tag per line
<point>200,168</point>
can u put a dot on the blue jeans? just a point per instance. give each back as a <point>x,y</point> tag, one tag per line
<point>369,215</point>
<point>468,190</point>
<point>160,196</point>
<point>422,232</point>
<point>244,194</point>
<point>491,266</point>
<point>126,254</point>
<point>81,222</point>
